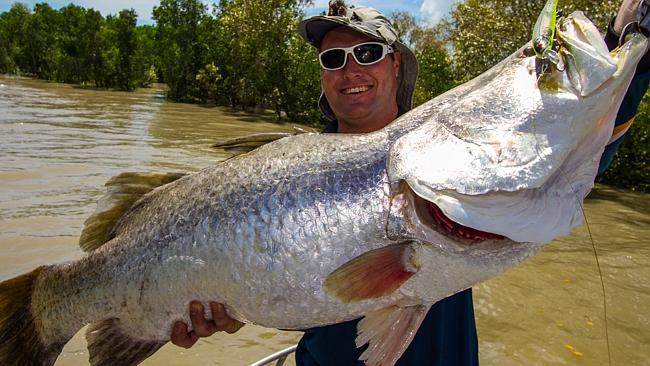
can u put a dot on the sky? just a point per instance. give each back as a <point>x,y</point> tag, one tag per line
<point>427,11</point>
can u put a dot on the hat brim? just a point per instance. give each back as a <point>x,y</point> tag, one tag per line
<point>315,28</point>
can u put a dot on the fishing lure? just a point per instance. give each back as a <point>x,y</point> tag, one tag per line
<point>543,39</point>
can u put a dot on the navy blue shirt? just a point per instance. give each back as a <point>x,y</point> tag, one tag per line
<point>447,336</point>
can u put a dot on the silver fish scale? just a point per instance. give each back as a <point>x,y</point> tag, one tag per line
<point>262,246</point>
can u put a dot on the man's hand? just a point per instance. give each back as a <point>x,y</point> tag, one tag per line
<point>627,13</point>
<point>202,326</point>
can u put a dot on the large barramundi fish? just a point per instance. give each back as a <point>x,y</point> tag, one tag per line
<point>318,229</point>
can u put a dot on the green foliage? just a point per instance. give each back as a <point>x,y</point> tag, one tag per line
<point>435,67</point>
<point>436,76</point>
<point>303,83</point>
<point>179,24</point>
<point>482,33</point>
<point>209,79</point>
<point>145,58</point>
<point>262,61</point>
<point>631,166</point>
<point>14,30</point>
<point>40,50</point>
<point>76,45</point>
<point>246,55</point>
<point>126,43</point>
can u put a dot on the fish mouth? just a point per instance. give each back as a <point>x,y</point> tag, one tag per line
<point>455,229</point>
<point>430,223</point>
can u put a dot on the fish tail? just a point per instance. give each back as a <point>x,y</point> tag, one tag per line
<point>20,340</point>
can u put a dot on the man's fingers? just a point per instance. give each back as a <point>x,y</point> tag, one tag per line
<point>626,13</point>
<point>181,337</point>
<point>233,326</point>
<point>221,319</point>
<point>202,326</point>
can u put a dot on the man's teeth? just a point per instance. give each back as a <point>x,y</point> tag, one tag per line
<point>357,89</point>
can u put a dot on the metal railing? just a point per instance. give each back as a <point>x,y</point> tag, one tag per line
<point>280,357</point>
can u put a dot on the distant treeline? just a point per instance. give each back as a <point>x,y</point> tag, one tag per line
<point>247,54</point>
<point>77,45</point>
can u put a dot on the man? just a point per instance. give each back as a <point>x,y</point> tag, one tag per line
<point>351,99</point>
<point>368,78</point>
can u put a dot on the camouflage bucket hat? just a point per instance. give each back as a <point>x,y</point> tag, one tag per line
<point>373,24</point>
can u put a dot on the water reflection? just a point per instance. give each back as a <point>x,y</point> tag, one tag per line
<point>59,144</point>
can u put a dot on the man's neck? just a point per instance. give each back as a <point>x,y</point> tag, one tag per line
<point>366,126</point>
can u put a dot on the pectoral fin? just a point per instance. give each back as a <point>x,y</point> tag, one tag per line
<point>388,332</point>
<point>373,274</point>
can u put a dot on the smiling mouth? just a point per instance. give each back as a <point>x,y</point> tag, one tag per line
<point>356,89</point>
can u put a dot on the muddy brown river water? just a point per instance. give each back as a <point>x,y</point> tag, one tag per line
<point>59,144</point>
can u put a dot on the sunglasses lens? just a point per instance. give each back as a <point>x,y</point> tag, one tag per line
<point>332,59</point>
<point>364,54</point>
<point>368,53</point>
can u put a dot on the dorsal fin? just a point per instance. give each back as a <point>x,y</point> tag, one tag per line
<point>246,143</point>
<point>122,191</point>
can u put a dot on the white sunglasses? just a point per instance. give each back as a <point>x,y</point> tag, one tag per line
<point>367,53</point>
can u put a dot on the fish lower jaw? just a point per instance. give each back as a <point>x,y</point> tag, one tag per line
<point>429,224</point>
<point>457,230</point>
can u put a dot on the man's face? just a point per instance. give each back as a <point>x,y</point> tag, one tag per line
<point>363,98</point>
